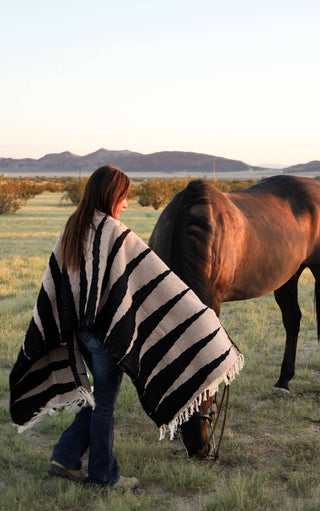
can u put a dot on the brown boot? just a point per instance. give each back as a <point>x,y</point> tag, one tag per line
<point>129,483</point>
<point>56,469</point>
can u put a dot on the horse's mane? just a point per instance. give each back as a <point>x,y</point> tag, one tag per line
<point>192,235</point>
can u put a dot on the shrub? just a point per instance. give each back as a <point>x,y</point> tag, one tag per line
<point>15,192</point>
<point>74,190</point>
<point>153,192</point>
<point>27,188</point>
<point>53,185</point>
<point>158,192</point>
<point>10,200</point>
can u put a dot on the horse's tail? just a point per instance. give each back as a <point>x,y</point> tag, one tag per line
<point>317,306</point>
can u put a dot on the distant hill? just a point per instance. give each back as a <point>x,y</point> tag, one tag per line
<point>164,161</point>
<point>312,166</point>
<point>169,162</point>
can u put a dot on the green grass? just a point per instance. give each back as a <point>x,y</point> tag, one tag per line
<point>270,456</point>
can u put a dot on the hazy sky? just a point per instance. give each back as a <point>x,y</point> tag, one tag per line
<point>232,78</point>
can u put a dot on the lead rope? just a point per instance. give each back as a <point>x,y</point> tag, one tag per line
<point>216,450</point>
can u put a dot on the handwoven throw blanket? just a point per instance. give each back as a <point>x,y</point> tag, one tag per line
<point>171,345</point>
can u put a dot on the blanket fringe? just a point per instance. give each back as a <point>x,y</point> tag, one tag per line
<point>84,398</point>
<point>193,407</point>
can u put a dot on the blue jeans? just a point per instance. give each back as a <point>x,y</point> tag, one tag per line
<point>94,428</point>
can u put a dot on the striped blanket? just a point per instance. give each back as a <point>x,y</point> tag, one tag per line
<point>171,345</point>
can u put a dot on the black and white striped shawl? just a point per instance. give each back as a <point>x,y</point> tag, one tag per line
<point>171,345</point>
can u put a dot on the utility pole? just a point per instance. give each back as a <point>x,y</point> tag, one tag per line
<point>214,170</point>
<point>80,165</point>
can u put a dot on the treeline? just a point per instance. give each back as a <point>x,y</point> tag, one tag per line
<point>158,192</point>
<point>14,192</point>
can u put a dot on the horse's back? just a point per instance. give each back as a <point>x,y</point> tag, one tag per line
<point>284,210</point>
<point>302,194</point>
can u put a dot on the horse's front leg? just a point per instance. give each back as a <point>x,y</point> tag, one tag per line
<point>287,299</point>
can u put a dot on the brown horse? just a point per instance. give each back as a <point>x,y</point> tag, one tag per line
<point>240,245</point>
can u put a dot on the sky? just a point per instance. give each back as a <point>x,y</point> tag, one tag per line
<point>234,78</point>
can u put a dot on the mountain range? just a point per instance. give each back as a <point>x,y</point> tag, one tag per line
<point>169,162</point>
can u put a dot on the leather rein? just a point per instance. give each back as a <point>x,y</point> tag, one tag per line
<point>214,423</point>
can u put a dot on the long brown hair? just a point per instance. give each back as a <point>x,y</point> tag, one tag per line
<point>105,188</point>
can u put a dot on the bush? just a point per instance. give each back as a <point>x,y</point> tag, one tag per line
<point>10,200</point>
<point>15,192</point>
<point>53,185</point>
<point>158,192</point>
<point>153,193</point>
<point>74,190</point>
<point>27,188</point>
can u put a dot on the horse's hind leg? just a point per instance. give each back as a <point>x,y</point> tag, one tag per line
<point>287,299</point>
<point>315,269</point>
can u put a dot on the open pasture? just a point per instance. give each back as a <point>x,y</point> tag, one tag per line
<point>270,456</point>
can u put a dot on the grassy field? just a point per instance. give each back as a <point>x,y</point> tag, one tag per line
<point>270,457</point>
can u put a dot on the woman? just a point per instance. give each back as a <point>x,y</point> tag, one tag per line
<point>105,292</point>
<point>105,195</point>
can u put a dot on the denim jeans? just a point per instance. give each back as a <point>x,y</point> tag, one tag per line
<point>94,428</point>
